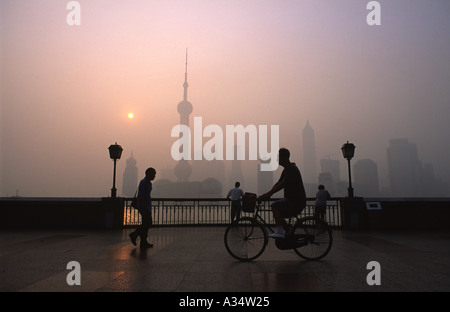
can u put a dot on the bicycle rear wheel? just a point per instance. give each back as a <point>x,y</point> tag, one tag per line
<point>245,239</point>
<point>317,237</point>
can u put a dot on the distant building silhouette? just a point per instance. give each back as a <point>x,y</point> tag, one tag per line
<point>130,177</point>
<point>236,169</point>
<point>326,179</point>
<point>264,178</point>
<point>204,169</point>
<point>208,188</point>
<point>330,166</point>
<point>365,177</point>
<point>433,186</point>
<point>309,170</point>
<point>405,169</point>
<point>183,171</point>
<point>408,176</point>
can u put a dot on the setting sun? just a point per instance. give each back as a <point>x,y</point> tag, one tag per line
<point>130,115</point>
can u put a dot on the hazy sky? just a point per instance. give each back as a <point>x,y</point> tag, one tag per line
<point>66,91</point>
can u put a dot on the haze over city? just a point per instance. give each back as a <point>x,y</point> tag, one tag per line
<point>67,90</point>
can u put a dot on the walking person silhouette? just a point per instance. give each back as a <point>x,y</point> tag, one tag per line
<point>144,206</point>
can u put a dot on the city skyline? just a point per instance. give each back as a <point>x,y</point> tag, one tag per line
<point>67,89</point>
<point>418,182</point>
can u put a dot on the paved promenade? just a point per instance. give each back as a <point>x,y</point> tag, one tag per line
<point>194,259</point>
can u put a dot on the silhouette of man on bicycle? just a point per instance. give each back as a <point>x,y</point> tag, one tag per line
<point>294,200</point>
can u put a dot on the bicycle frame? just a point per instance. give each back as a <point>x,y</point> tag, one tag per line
<point>259,219</point>
<point>290,224</point>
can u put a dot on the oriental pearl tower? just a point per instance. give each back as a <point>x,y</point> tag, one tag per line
<point>183,169</point>
<point>185,107</point>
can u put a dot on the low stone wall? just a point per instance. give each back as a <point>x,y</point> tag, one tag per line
<point>61,213</point>
<point>107,213</point>
<point>397,213</point>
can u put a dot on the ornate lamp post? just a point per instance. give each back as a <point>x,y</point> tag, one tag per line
<point>348,150</point>
<point>115,151</point>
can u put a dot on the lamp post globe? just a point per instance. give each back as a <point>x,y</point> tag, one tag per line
<point>348,151</point>
<point>115,152</point>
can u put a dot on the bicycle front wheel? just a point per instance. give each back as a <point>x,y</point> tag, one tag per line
<point>245,239</point>
<point>317,238</point>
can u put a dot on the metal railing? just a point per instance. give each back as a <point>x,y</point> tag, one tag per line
<point>213,211</point>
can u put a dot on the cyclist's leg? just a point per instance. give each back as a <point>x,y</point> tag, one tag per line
<point>279,208</point>
<point>293,209</point>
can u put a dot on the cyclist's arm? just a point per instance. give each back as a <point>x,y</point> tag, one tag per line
<point>277,187</point>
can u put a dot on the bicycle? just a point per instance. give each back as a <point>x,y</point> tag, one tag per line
<point>246,239</point>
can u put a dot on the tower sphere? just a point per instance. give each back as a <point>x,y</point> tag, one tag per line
<point>183,170</point>
<point>184,107</point>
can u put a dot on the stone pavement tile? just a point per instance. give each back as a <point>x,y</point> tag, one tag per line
<point>147,281</point>
<point>287,282</point>
<point>194,259</point>
<point>224,281</point>
<point>90,281</point>
<point>419,282</point>
<point>36,243</point>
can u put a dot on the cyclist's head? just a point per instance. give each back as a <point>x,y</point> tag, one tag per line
<point>237,184</point>
<point>283,156</point>
<point>284,152</point>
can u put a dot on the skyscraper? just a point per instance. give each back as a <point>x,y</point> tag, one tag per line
<point>365,173</point>
<point>130,177</point>
<point>405,169</point>
<point>309,170</point>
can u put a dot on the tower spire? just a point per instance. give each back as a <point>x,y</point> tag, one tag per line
<point>184,107</point>
<point>185,84</point>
